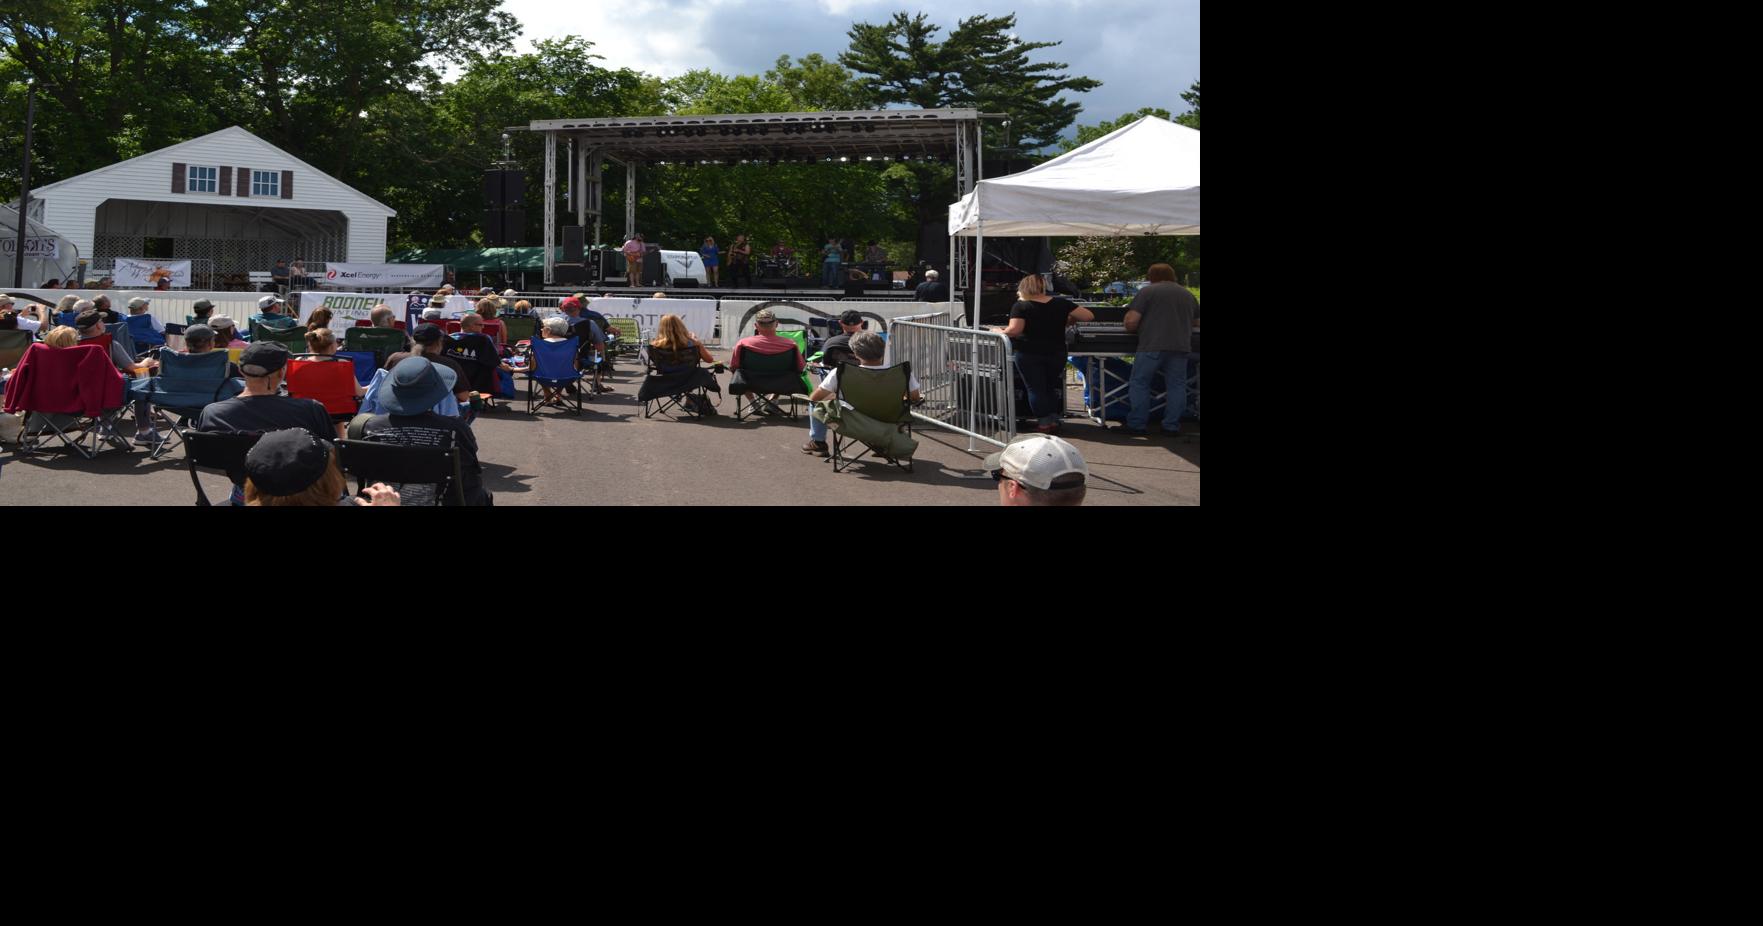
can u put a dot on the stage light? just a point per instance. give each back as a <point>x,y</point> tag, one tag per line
<point>843,159</point>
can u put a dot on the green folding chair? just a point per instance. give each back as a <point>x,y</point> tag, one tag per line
<point>630,334</point>
<point>384,342</point>
<point>294,339</point>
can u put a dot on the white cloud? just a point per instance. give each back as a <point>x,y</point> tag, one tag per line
<point>1146,52</point>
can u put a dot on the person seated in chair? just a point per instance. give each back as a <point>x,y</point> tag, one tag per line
<point>91,325</point>
<point>198,339</point>
<point>837,348</point>
<point>101,302</point>
<point>409,396</point>
<point>475,352</point>
<point>292,469</point>
<point>590,334</point>
<point>202,310</point>
<point>870,349</point>
<point>226,334</point>
<point>269,314</point>
<point>138,306</point>
<point>323,342</point>
<point>320,318</point>
<point>555,330</point>
<point>674,351</point>
<point>765,341</point>
<point>428,344</point>
<point>260,408</point>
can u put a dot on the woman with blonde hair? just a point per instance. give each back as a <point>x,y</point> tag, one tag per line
<point>674,345</point>
<point>674,356</point>
<point>1037,323</point>
<point>61,336</point>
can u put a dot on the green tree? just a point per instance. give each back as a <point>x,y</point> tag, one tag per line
<point>1089,133</point>
<point>1191,118</point>
<point>818,85</point>
<point>982,64</point>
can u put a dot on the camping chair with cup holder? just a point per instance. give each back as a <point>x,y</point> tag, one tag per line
<point>384,342</point>
<point>676,386</point>
<point>67,390</point>
<point>761,375</point>
<point>186,384</point>
<point>880,397</point>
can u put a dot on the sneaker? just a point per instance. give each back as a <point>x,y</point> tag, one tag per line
<point>150,438</point>
<point>818,448</point>
<point>772,409</point>
<point>118,441</point>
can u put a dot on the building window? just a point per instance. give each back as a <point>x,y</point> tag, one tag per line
<point>266,183</point>
<point>204,180</point>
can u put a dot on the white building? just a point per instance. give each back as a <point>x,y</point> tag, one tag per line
<point>228,198</point>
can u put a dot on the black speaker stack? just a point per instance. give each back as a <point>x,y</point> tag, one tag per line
<point>505,212</point>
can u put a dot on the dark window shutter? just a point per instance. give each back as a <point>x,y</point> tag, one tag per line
<point>287,184</point>
<point>244,181</point>
<point>226,181</point>
<point>177,178</point>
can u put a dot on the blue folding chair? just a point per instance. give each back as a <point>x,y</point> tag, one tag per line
<point>141,329</point>
<point>186,384</point>
<point>365,361</point>
<point>552,364</point>
<point>123,335</point>
<point>66,318</point>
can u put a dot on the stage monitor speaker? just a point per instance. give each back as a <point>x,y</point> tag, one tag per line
<point>572,244</point>
<point>651,267</point>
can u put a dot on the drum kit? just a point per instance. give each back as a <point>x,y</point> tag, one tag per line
<point>777,267</point>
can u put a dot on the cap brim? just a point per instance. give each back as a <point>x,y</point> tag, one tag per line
<point>995,462</point>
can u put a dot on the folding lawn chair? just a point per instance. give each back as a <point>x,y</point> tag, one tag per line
<point>186,384</point>
<point>398,465</point>
<point>552,365</point>
<point>879,395</point>
<point>219,450</point>
<point>64,390</point>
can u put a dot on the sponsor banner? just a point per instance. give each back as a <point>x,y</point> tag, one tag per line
<point>346,308</point>
<point>399,276</point>
<point>134,271</point>
<point>698,314</point>
<point>40,248</point>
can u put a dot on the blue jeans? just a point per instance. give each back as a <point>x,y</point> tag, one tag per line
<point>816,429</point>
<point>1045,378</point>
<point>1174,366</point>
<point>829,273</point>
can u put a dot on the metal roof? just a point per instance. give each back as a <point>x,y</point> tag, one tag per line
<point>914,134</point>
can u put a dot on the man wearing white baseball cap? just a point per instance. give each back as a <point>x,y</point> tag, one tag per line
<point>1042,470</point>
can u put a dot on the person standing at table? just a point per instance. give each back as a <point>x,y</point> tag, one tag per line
<point>1037,322</point>
<point>1163,314</point>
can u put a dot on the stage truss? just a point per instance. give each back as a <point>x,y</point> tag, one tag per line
<point>748,138</point>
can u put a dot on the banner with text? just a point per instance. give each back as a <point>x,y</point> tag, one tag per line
<point>41,248</point>
<point>346,308</point>
<point>384,275</point>
<point>135,271</point>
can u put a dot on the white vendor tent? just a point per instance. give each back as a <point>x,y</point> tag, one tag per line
<point>1143,179</point>
<point>48,255</point>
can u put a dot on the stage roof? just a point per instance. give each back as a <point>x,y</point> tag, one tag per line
<point>787,137</point>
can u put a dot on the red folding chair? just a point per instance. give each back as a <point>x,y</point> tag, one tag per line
<point>66,389</point>
<point>330,381</point>
<point>450,326</point>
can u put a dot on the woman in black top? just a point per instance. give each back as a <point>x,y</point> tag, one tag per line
<point>1037,323</point>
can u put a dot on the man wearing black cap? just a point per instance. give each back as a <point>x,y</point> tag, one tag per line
<point>428,340</point>
<point>259,408</point>
<point>409,396</point>
<point>90,324</point>
<point>837,348</point>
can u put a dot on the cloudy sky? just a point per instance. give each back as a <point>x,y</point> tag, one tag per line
<point>1145,52</point>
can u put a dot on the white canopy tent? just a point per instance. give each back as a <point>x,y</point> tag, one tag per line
<point>1143,179</point>
<point>47,254</point>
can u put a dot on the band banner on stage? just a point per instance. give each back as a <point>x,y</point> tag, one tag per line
<point>132,271</point>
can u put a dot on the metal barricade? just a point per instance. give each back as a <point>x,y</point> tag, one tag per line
<point>965,375</point>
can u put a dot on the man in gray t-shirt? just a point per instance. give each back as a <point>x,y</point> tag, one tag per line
<point>1163,314</point>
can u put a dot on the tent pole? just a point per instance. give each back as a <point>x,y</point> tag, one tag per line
<point>979,249</point>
